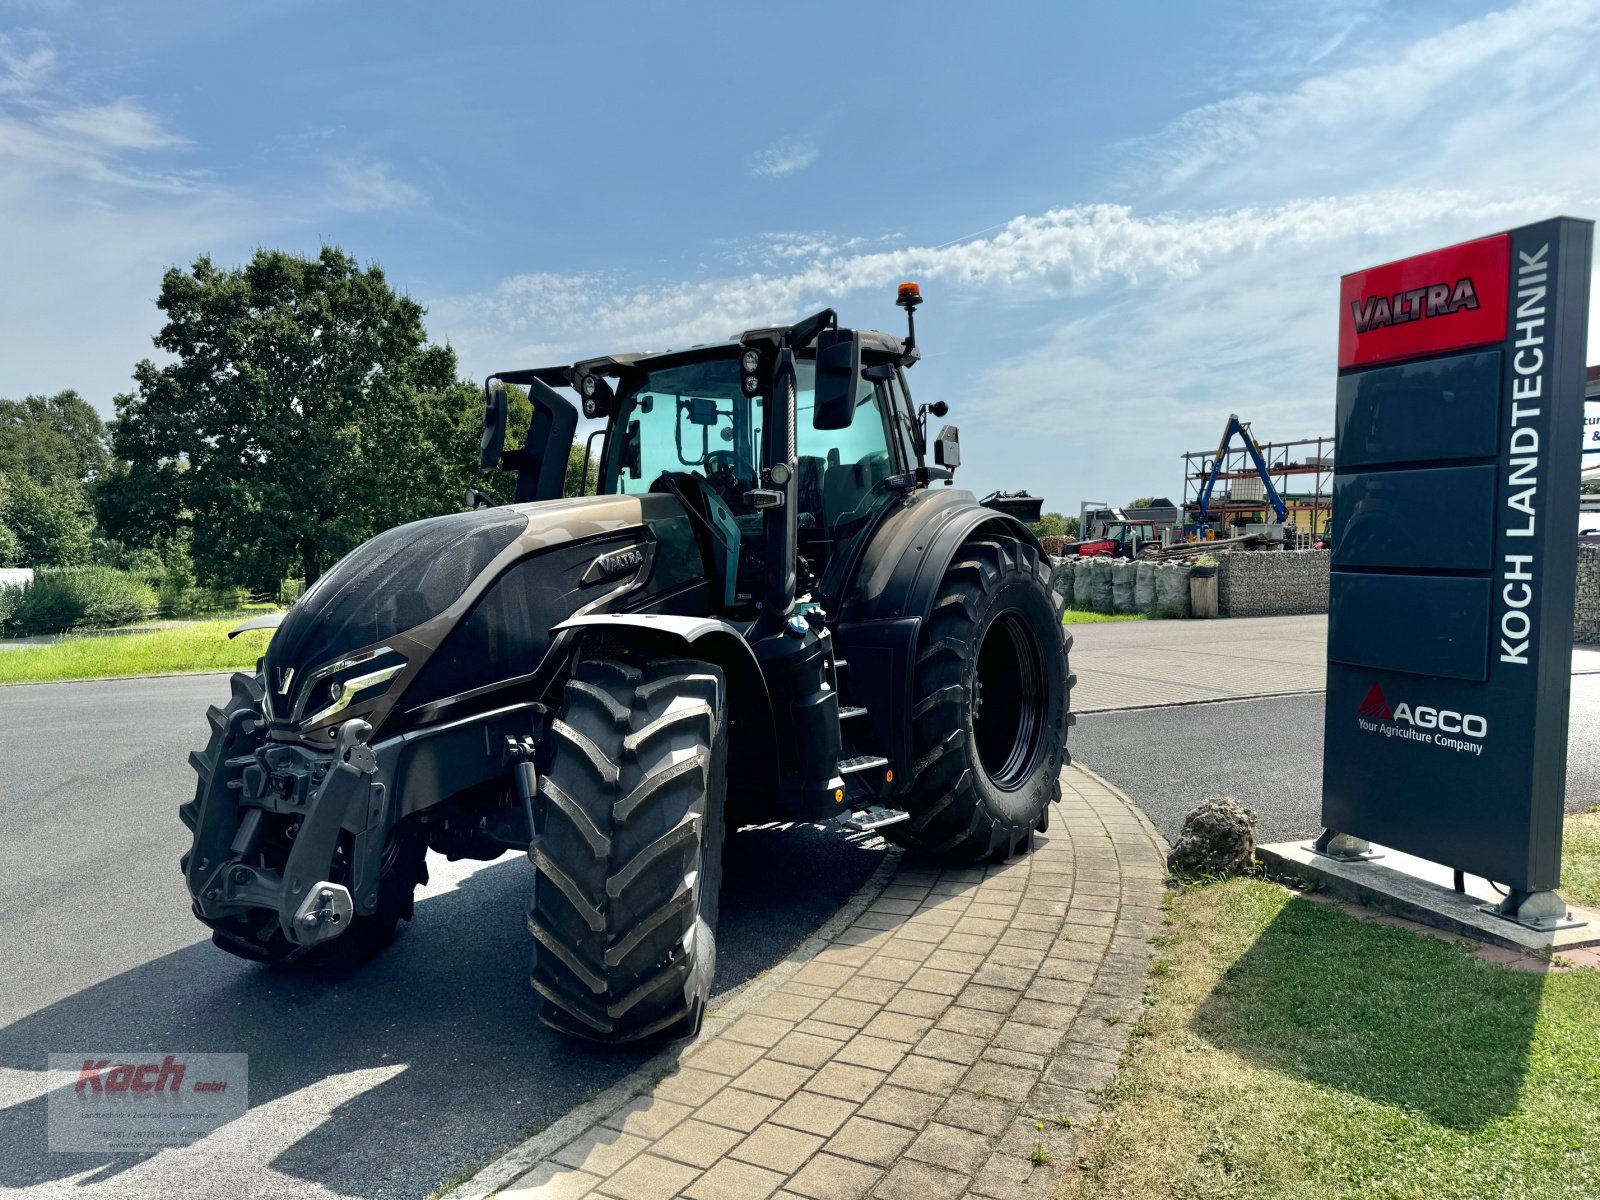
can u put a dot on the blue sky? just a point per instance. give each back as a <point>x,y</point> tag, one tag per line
<point>1129,220</point>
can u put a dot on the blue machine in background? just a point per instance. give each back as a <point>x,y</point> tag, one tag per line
<point>1242,428</point>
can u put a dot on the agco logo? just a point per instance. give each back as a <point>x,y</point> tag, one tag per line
<point>1434,300</point>
<point>1376,708</point>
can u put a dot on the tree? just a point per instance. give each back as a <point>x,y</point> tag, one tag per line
<point>10,546</point>
<point>52,438</point>
<point>51,523</point>
<point>1592,488</point>
<point>304,412</point>
<point>1053,524</point>
<point>579,481</point>
<point>1143,502</point>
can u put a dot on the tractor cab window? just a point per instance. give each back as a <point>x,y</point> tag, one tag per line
<point>841,470</point>
<point>690,420</point>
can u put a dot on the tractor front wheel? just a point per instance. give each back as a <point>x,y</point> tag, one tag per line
<point>628,850</point>
<point>990,718</point>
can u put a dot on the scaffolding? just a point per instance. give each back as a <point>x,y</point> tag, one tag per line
<point>1240,498</point>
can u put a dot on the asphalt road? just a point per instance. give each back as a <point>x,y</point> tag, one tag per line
<point>1267,754</point>
<point>380,1082</point>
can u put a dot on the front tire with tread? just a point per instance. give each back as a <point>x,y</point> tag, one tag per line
<point>628,850</point>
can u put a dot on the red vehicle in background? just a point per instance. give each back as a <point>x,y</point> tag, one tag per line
<point>1121,539</point>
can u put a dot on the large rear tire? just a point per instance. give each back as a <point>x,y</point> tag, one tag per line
<point>628,851</point>
<point>993,692</point>
<point>257,935</point>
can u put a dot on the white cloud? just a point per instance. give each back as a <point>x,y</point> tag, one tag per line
<point>1404,112</point>
<point>369,186</point>
<point>123,125</point>
<point>784,158</point>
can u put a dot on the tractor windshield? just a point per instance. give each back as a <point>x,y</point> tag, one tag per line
<point>693,418</point>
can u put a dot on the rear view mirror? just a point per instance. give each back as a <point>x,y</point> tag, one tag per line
<point>838,373</point>
<point>947,450</point>
<point>493,441</point>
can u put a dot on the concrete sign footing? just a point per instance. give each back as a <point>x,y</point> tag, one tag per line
<point>1402,885</point>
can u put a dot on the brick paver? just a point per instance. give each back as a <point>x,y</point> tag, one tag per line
<point>923,1052</point>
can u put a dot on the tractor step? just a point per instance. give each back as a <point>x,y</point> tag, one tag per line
<point>864,820</point>
<point>861,762</point>
<point>851,710</point>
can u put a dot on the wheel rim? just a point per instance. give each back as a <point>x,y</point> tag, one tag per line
<point>1008,717</point>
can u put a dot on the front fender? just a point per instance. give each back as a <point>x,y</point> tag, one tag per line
<point>753,745</point>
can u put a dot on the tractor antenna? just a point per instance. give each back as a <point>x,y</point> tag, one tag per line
<point>909,296</point>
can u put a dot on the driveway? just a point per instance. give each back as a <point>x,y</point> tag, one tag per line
<point>381,1082</point>
<point>1147,725</point>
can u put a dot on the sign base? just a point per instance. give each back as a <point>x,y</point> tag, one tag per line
<point>1341,847</point>
<point>1544,911</point>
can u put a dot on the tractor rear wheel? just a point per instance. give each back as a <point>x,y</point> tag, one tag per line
<point>992,698</point>
<point>628,850</point>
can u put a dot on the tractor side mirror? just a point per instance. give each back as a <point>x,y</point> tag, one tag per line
<point>838,370</point>
<point>493,441</point>
<point>947,450</point>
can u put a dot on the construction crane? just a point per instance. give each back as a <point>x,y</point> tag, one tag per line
<point>1242,428</point>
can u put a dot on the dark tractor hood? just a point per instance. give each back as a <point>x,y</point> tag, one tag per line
<point>411,594</point>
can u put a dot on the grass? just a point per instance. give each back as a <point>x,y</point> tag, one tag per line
<point>1083,616</point>
<point>1580,859</point>
<point>1292,1051</point>
<point>200,646</point>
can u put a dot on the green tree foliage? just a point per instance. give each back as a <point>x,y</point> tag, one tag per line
<point>1592,488</point>
<point>306,406</point>
<point>579,481</point>
<point>1053,524</point>
<point>51,523</point>
<point>52,439</point>
<point>1143,502</point>
<point>10,546</point>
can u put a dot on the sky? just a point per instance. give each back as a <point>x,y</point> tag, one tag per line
<point>1128,219</point>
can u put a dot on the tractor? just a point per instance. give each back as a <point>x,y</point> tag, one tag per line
<point>767,613</point>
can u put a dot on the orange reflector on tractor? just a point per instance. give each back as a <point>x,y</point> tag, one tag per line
<point>888,776</point>
<point>838,795</point>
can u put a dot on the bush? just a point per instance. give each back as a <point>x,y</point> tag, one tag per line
<point>9,596</point>
<point>290,590</point>
<point>63,599</point>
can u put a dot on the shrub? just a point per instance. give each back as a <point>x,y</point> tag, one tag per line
<point>290,590</point>
<point>9,596</point>
<point>67,598</point>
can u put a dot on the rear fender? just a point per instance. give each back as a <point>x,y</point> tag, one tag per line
<point>893,593</point>
<point>754,765</point>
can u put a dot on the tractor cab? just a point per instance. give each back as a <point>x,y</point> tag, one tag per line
<point>780,477</point>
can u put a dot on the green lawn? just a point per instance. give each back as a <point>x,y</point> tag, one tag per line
<point>1290,1050</point>
<point>201,646</point>
<point>1081,616</point>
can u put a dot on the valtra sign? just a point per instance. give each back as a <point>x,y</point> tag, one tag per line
<point>1447,300</point>
<point>1459,417</point>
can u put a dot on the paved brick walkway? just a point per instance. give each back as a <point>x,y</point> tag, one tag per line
<point>948,1043</point>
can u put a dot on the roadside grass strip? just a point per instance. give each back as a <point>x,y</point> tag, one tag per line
<point>1084,616</point>
<point>1290,1050</point>
<point>184,649</point>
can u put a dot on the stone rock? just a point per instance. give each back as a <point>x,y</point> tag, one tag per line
<point>1218,838</point>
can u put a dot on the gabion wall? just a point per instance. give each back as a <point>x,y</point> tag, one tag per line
<point>1586,615</point>
<point>1272,583</point>
<point>1276,583</point>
